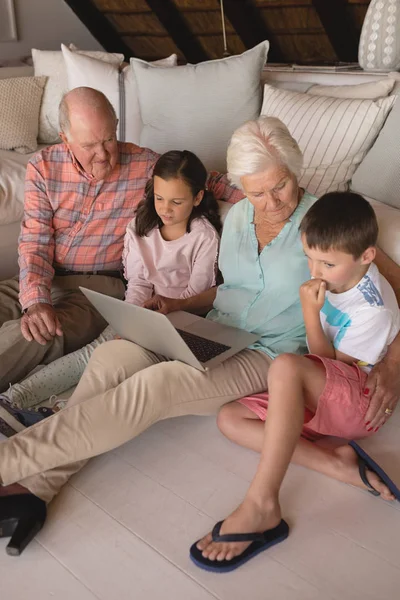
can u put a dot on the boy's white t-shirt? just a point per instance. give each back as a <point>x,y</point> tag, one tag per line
<point>363,321</point>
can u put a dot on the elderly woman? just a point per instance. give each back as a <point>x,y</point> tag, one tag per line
<point>126,388</point>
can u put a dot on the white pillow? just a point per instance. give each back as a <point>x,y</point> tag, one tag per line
<point>334,134</point>
<point>51,64</point>
<point>372,90</point>
<point>198,107</point>
<point>119,87</point>
<point>20,99</point>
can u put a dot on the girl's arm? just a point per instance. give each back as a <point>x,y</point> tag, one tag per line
<point>204,267</point>
<point>198,305</point>
<point>138,289</point>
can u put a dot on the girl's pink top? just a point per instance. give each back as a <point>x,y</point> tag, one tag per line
<point>176,269</point>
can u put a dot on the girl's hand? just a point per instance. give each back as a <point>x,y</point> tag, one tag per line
<point>162,304</point>
<point>312,294</point>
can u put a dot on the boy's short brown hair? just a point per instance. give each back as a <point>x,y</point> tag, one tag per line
<point>342,221</point>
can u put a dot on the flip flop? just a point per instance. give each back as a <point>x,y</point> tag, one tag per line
<point>366,462</point>
<point>259,543</point>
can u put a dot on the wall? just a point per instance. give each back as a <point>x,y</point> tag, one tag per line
<point>44,24</point>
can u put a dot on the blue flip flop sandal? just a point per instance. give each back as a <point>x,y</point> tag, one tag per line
<point>259,543</point>
<point>366,462</point>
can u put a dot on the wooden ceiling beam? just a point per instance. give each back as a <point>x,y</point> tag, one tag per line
<point>339,27</point>
<point>250,26</point>
<point>99,26</point>
<point>170,17</point>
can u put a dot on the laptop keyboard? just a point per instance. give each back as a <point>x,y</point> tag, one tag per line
<point>202,348</point>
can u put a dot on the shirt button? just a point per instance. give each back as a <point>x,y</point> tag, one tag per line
<point>260,276</point>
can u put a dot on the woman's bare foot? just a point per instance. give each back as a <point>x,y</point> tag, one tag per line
<point>247,518</point>
<point>14,488</point>
<point>348,472</point>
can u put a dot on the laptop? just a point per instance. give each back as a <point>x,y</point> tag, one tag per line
<point>182,336</point>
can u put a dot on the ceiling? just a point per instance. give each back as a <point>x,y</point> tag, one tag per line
<point>302,31</point>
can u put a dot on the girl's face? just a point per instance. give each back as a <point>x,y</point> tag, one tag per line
<point>174,201</point>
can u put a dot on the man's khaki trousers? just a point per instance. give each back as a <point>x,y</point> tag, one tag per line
<point>123,391</point>
<point>80,322</point>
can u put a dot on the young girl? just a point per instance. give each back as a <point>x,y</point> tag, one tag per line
<point>170,248</point>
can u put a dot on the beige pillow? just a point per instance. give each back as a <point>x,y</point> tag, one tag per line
<point>369,91</point>
<point>334,134</point>
<point>51,63</point>
<point>20,99</point>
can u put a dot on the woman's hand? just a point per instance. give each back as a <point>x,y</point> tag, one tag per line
<point>312,294</point>
<point>162,304</point>
<point>383,390</point>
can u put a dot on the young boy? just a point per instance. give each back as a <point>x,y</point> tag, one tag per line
<point>351,317</point>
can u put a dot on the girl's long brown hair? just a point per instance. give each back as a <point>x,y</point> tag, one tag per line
<point>184,165</point>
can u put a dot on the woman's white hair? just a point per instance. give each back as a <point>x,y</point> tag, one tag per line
<point>257,145</point>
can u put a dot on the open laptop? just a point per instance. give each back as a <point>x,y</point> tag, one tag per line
<point>182,336</point>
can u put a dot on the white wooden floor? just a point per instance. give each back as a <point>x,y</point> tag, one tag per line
<point>123,526</point>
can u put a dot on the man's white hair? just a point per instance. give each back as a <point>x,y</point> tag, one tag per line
<point>95,99</point>
<point>257,145</point>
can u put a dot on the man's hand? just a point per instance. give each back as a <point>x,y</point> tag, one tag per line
<point>40,323</point>
<point>162,304</point>
<point>312,294</point>
<point>383,390</point>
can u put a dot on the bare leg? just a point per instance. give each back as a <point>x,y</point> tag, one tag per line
<point>279,442</point>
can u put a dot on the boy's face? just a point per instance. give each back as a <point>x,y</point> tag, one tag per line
<point>339,270</point>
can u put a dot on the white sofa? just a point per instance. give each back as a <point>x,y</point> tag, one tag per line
<point>12,171</point>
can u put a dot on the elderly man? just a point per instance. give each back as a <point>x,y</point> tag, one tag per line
<point>79,197</point>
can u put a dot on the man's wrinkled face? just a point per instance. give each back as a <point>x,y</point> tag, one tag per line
<point>92,139</point>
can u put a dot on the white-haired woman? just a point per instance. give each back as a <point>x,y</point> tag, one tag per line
<point>126,388</point>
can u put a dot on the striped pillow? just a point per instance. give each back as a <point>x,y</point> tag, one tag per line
<point>334,134</point>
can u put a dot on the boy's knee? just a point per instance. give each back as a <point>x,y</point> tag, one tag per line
<point>284,365</point>
<point>227,419</point>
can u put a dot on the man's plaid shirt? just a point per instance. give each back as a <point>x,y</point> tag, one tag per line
<point>76,222</point>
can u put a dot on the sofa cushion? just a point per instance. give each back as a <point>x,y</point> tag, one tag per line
<point>334,134</point>
<point>389,227</point>
<point>198,107</point>
<point>8,72</point>
<point>51,64</point>
<point>378,175</point>
<point>371,90</point>
<point>120,88</point>
<point>20,99</point>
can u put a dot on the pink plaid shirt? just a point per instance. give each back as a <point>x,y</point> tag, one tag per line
<point>78,223</point>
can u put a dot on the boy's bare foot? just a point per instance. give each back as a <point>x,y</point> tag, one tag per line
<point>348,472</point>
<point>247,518</point>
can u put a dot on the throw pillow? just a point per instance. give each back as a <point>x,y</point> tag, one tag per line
<point>198,107</point>
<point>378,175</point>
<point>20,99</point>
<point>372,90</point>
<point>119,87</point>
<point>334,134</point>
<point>51,64</point>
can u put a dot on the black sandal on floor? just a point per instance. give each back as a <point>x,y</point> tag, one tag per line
<point>21,517</point>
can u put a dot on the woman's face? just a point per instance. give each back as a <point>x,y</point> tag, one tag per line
<point>274,193</point>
